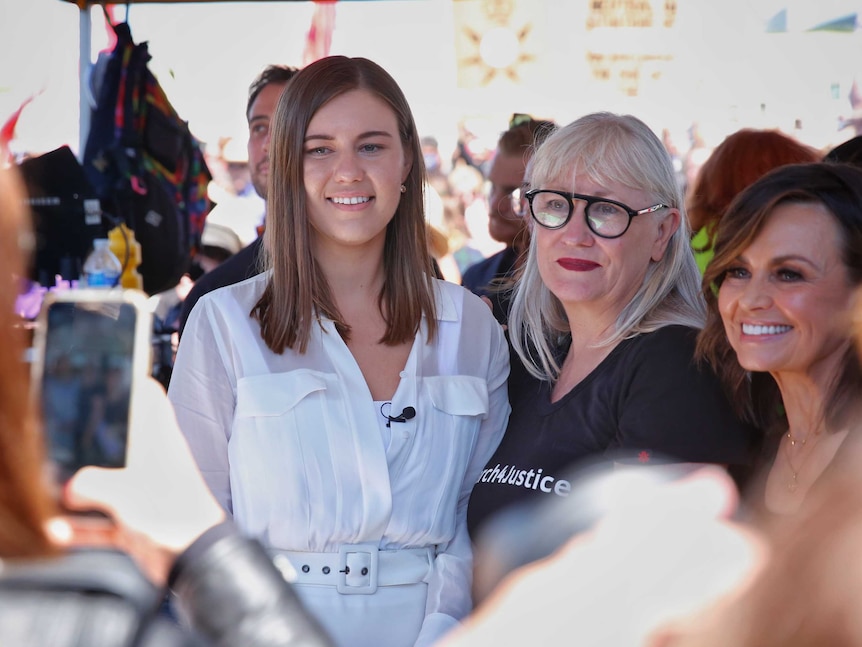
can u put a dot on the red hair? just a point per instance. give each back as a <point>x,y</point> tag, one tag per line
<point>25,504</point>
<point>743,157</point>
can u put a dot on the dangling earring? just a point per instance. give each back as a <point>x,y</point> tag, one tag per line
<point>403,189</point>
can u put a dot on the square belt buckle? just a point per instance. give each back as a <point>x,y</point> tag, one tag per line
<point>357,556</point>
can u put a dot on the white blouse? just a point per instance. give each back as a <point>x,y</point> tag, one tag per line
<point>290,444</point>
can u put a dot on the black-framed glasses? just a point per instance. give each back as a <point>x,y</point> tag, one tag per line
<point>606,218</point>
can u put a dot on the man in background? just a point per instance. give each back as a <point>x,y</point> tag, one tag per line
<point>508,215</point>
<point>263,95</point>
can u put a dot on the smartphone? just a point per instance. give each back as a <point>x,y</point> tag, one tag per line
<point>90,347</point>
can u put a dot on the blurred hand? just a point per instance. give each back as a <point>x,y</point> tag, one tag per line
<point>184,287</point>
<point>661,555</point>
<point>159,500</point>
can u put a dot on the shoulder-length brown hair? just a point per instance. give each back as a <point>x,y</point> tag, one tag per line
<point>838,187</point>
<point>25,504</point>
<point>739,160</point>
<point>297,292</point>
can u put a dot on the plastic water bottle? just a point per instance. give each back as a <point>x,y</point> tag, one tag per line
<point>102,268</point>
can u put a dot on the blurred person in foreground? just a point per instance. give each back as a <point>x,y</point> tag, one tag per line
<point>263,94</point>
<point>659,560</point>
<point>735,163</point>
<point>651,551</point>
<point>604,320</point>
<point>508,220</point>
<point>69,579</point>
<point>780,289</point>
<point>805,588</point>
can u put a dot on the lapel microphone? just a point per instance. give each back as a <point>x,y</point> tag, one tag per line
<point>407,414</point>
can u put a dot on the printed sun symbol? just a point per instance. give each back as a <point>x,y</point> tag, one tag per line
<point>643,456</point>
<point>500,51</point>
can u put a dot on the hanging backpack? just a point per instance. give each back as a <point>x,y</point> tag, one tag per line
<point>144,164</point>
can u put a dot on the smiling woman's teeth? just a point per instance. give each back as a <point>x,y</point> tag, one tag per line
<point>749,329</point>
<point>355,200</point>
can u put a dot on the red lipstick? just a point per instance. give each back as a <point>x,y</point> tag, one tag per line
<point>577,264</point>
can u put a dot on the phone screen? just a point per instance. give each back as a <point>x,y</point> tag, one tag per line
<point>86,383</point>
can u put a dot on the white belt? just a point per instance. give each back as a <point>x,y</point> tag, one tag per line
<point>356,568</point>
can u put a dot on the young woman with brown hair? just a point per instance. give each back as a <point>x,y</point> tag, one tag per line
<point>342,404</point>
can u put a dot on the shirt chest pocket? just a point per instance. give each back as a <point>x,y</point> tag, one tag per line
<point>275,395</point>
<point>458,395</point>
<point>284,425</point>
<point>456,407</point>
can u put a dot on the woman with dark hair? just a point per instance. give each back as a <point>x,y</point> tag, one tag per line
<point>788,258</point>
<point>736,162</point>
<point>342,404</point>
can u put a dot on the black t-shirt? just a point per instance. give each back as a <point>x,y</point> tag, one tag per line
<point>646,403</point>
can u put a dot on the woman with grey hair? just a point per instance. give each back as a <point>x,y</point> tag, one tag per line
<point>604,319</point>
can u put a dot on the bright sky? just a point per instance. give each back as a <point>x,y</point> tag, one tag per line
<point>726,72</point>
